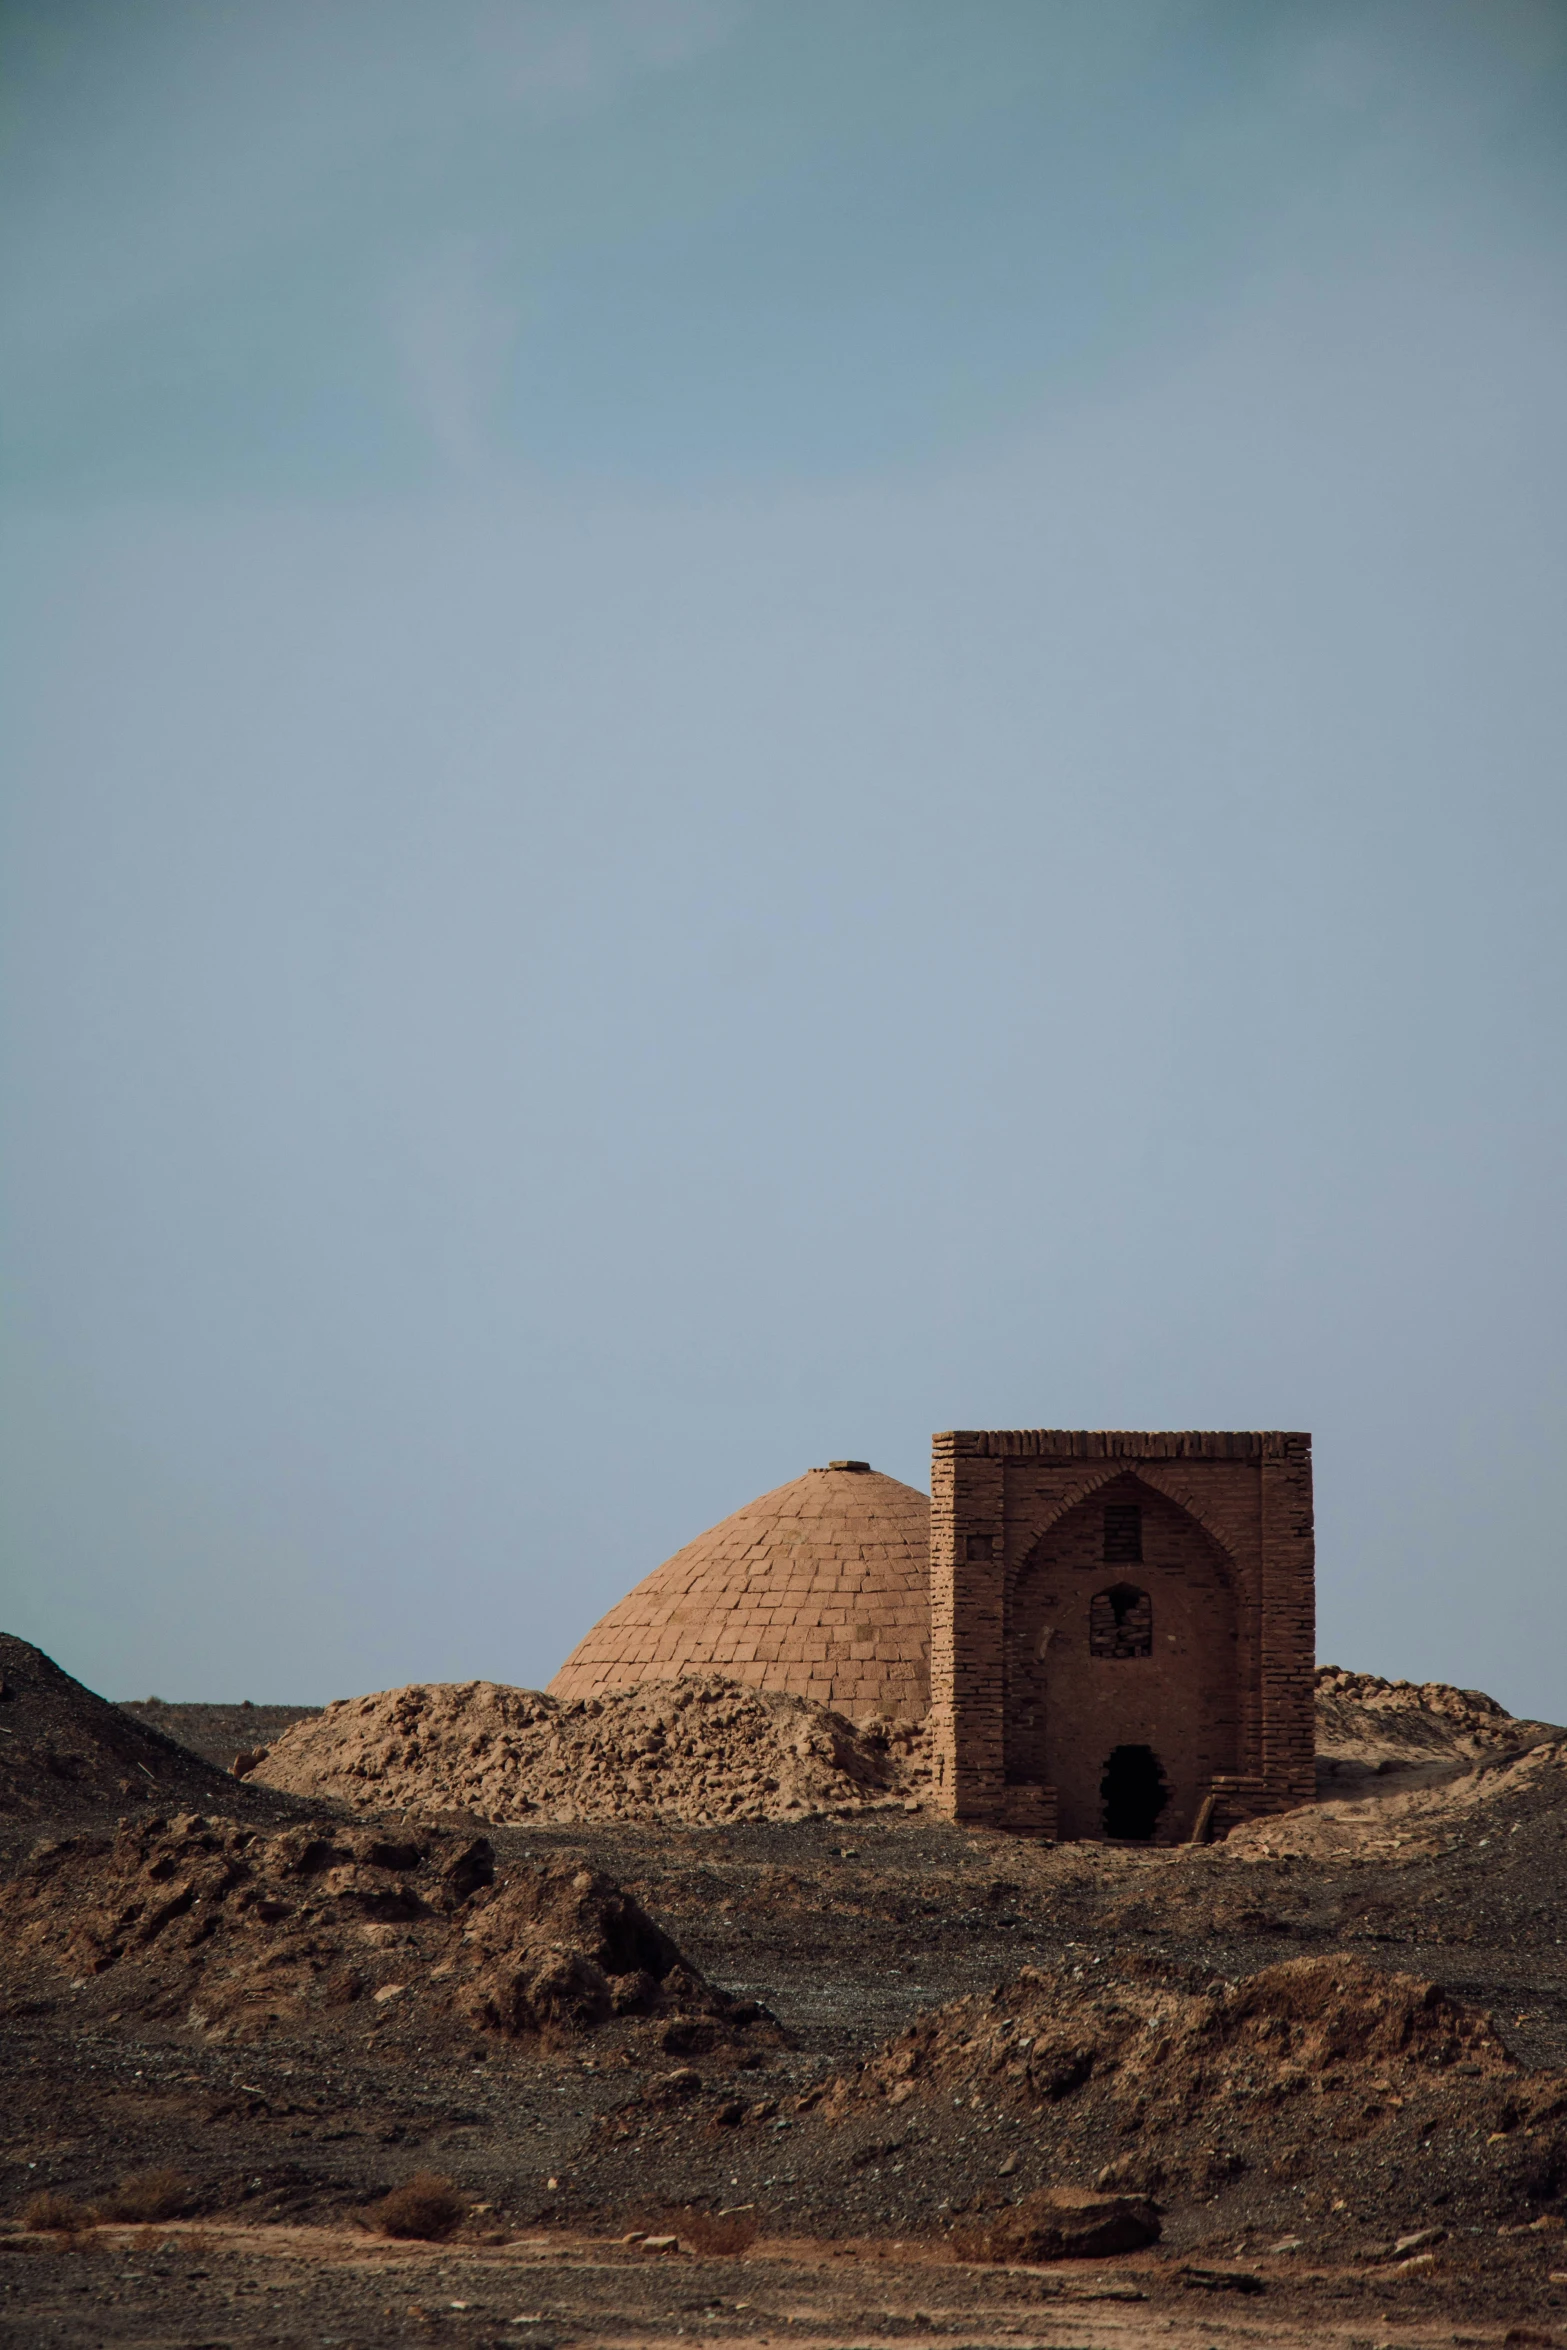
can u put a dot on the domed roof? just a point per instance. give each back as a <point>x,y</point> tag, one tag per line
<point>821,1588</point>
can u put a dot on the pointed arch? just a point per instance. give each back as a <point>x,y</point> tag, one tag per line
<point>1233,1515</point>
<point>1151,1474</point>
<point>1122,1627</point>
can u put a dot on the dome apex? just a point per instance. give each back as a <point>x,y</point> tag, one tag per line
<point>820,1588</point>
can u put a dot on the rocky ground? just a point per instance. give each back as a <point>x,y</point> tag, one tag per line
<point>219,1732</point>
<point>770,2080</point>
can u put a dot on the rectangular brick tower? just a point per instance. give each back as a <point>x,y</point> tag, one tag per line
<point>1122,1627</point>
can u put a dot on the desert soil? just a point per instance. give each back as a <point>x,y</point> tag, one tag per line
<point>702,1750</point>
<point>219,1732</point>
<point>845,2046</point>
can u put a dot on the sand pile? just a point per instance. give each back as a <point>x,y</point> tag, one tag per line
<point>703,1750</point>
<point>1176,2090</point>
<point>1410,1815</point>
<point>1366,1724</point>
<point>1404,1769</point>
<point>64,1750</point>
<point>206,1922</point>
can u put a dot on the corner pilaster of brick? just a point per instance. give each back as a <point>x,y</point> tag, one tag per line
<point>1289,1630</point>
<point>966,1598</point>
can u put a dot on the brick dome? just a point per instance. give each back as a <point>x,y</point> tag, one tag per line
<point>821,1588</point>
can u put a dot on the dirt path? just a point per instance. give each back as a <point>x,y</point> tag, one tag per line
<point>205,2287</point>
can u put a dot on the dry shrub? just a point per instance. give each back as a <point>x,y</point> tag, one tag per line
<point>714,2234</point>
<point>47,2212</point>
<point>150,2195</point>
<point>425,2206</point>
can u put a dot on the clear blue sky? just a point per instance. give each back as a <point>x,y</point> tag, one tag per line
<point>732,730</point>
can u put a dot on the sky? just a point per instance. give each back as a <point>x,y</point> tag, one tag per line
<point>737,728</point>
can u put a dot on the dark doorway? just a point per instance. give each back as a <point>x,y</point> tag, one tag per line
<point>1133,1793</point>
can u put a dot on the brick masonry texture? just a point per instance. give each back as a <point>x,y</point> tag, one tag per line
<point>1024,1716</point>
<point>821,1588</point>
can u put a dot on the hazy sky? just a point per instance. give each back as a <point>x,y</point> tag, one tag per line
<point>734,728</point>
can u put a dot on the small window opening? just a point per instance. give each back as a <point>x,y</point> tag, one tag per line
<point>977,1548</point>
<point>1120,1622</point>
<point>1134,1793</point>
<point>1123,1533</point>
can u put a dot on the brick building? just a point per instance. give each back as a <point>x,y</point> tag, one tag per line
<point>1109,1629</point>
<point>1122,1626</point>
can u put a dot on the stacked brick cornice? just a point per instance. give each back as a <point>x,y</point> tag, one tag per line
<point>820,1588</point>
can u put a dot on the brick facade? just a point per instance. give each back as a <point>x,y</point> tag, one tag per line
<point>1145,1597</point>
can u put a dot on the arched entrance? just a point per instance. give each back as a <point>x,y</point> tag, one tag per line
<point>1121,1657</point>
<point>1133,1793</point>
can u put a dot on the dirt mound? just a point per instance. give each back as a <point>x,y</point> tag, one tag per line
<point>1366,1724</point>
<point>703,1751</point>
<point>1410,1815</point>
<point>205,1921</point>
<point>1404,1768</point>
<point>1176,2089</point>
<point>65,1751</point>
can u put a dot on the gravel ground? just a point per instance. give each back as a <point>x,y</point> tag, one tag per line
<point>846,1930</point>
<point>219,1732</point>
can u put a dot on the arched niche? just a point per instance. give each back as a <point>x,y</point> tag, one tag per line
<point>1120,1622</point>
<point>1125,1625</point>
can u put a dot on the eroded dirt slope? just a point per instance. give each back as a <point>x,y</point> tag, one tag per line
<point>1367,1725</point>
<point>209,1925</point>
<point>65,1752</point>
<point>1174,2088</point>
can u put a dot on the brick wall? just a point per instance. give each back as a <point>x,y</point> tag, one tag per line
<point>1023,1724</point>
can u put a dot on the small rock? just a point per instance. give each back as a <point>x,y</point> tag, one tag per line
<point>1416,2238</point>
<point>1218,2280</point>
<point>1062,2223</point>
